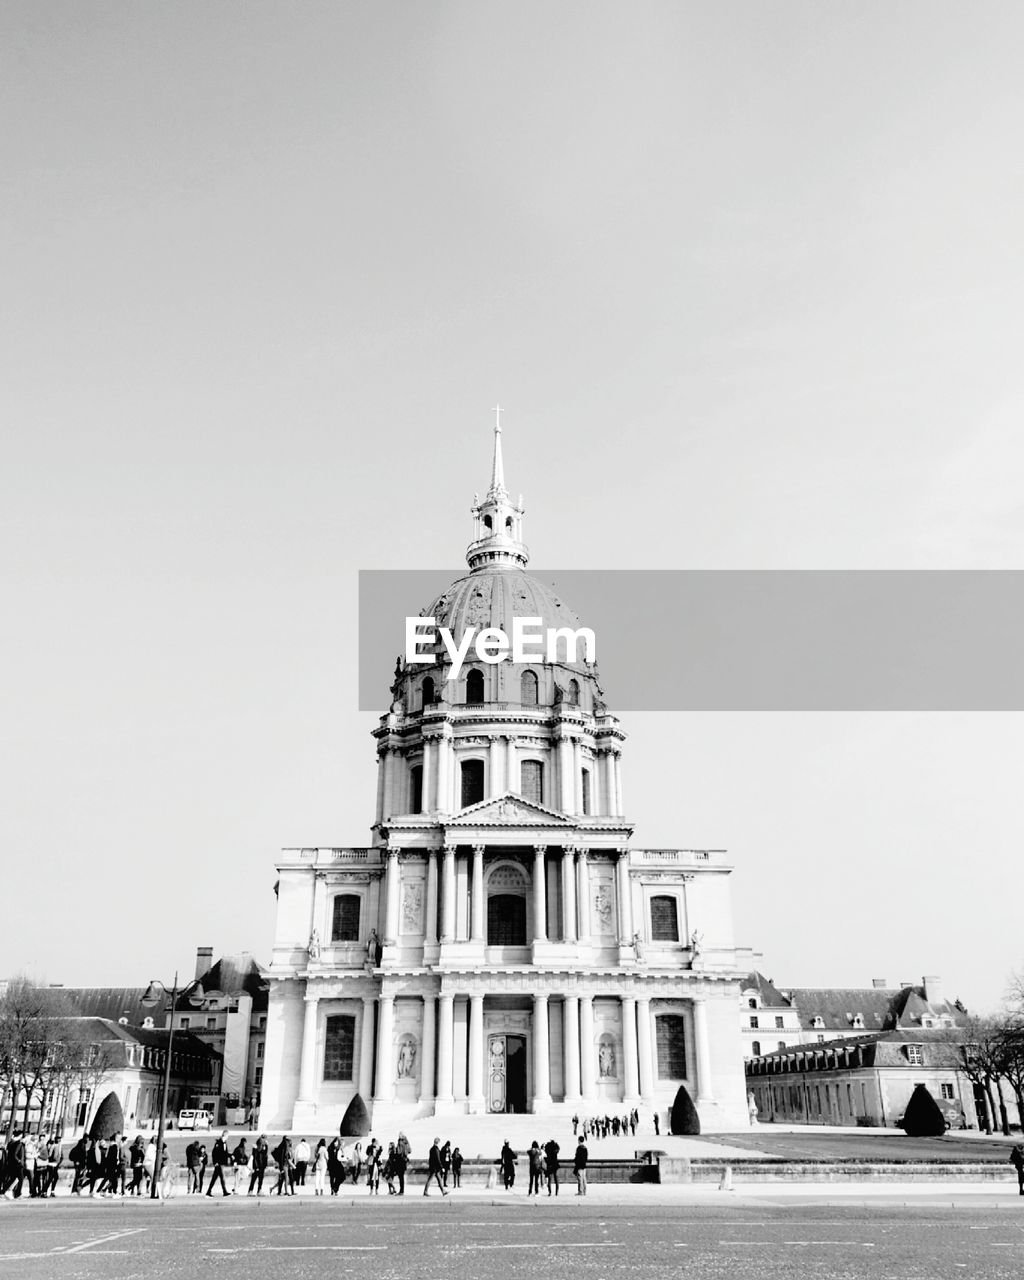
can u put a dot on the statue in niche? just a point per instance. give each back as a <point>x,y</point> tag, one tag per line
<point>696,942</point>
<point>373,948</point>
<point>411,906</point>
<point>605,1061</point>
<point>313,946</point>
<point>407,1058</point>
<point>638,948</point>
<point>603,908</point>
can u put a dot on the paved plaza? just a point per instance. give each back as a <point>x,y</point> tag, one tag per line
<point>696,1232</point>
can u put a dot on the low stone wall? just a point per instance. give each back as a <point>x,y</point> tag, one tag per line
<point>481,1173</point>
<point>673,1170</point>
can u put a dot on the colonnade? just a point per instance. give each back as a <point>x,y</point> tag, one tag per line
<point>636,1074</point>
<point>574,924</point>
<point>440,790</point>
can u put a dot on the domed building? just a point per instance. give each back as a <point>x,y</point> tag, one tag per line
<point>499,946</point>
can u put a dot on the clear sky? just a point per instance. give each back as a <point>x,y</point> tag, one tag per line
<point>747,279</point>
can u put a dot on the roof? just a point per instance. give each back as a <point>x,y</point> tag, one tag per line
<point>880,1048</point>
<point>234,975</point>
<point>880,1008</point>
<point>768,995</point>
<point>108,1002</point>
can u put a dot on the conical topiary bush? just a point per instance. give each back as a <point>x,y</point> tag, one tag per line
<point>923,1117</point>
<point>109,1118</point>
<point>683,1117</point>
<point>355,1123</point>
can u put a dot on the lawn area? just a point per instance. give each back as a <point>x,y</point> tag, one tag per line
<point>867,1146</point>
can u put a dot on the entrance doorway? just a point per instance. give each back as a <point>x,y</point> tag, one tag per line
<point>506,1073</point>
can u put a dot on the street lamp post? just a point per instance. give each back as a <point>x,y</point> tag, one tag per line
<point>150,999</point>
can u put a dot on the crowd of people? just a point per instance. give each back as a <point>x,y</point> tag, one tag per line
<point>31,1164</point>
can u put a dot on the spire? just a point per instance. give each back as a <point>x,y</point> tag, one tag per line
<point>498,466</point>
<point>497,522</point>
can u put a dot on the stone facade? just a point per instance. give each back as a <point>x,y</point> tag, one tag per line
<point>499,946</point>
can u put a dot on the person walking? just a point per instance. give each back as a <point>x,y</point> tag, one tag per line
<point>434,1169</point>
<point>551,1150</point>
<point>167,1176</point>
<point>399,1164</point>
<point>373,1155</point>
<point>579,1167</point>
<point>149,1163</point>
<point>320,1168</point>
<point>259,1161</point>
<point>536,1159</point>
<point>192,1168</point>
<point>79,1157</point>
<point>508,1166</point>
<point>285,1164</point>
<point>456,1167</point>
<point>335,1165</point>
<point>1017,1160</point>
<point>221,1161</point>
<point>16,1168</point>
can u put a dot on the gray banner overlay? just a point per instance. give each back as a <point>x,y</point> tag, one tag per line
<point>804,640</point>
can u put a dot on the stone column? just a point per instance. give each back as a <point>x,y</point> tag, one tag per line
<point>541,1054</point>
<point>476,1052</point>
<point>630,1073</point>
<point>540,922</point>
<point>577,773</point>
<point>445,1046</point>
<point>494,770</point>
<point>427,784</point>
<point>566,787</point>
<point>391,900</point>
<point>511,765</point>
<point>448,895</point>
<point>366,1051</point>
<point>428,1048</point>
<point>444,763</point>
<point>625,898</point>
<point>617,776</point>
<point>389,782</point>
<point>702,1050</point>
<point>583,893</point>
<point>609,783</point>
<point>382,755</point>
<point>386,1050</point>
<point>571,1036</point>
<point>307,1072</point>
<point>478,924</point>
<point>430,937</point>
<point>568,896</point>
<point>644,1029</point>
<point>588,1077</point>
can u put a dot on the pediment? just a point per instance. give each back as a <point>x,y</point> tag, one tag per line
<point>508,810</point>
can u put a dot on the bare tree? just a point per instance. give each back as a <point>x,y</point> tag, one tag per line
<point>981,1059</point>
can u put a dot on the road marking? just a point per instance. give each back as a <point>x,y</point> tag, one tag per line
<point>294,1248</point>
<point>554,1244</point>
<point>91,1244</point>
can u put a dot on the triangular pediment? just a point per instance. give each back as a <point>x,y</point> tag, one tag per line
<point>508,810</point>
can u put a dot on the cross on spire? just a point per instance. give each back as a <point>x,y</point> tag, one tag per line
<point>497,417</point>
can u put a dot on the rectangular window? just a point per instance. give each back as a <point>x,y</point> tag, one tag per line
<point>472,781</point>
<point>948,1092</point>
<point>211,1024</point>
<point>531,781</point>
<point>915,1055</point>
<point>586,791</point>
<point>664,920</point>
<point>671,1042</point>
<point>263,1024</point>
<point>339,1045</point>
<point>259,1076</point>
<point>345,921</point>
<point>184,1024</point>
<point>779,1023</point>
<point>782,1044</point>
<point>259,1050</point>
<point>755,1021</point>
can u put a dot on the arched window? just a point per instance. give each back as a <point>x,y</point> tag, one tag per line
<point>487,522</point>
<point>671,1040</point>
<point>472,782</point>
<point>664,920</point>
<point>506,907</point>
<point>585,790</point>
<point>531,781</point>
<point>528,689</point>
<point>475,686</point>
<point>752,1002</point>
<point>572,694</point>
<point>428,691</point>
<point>755,1048</point>
<point>416,781</point>
<point>345,918</point>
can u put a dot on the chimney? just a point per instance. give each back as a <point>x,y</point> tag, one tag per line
<point>879,984</point>
<point>933,989</point>
<point>204,961</point>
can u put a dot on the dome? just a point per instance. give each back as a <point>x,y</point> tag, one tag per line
<point>493,597</point>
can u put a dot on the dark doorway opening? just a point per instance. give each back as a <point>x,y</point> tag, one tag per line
<point>515,1080</point>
